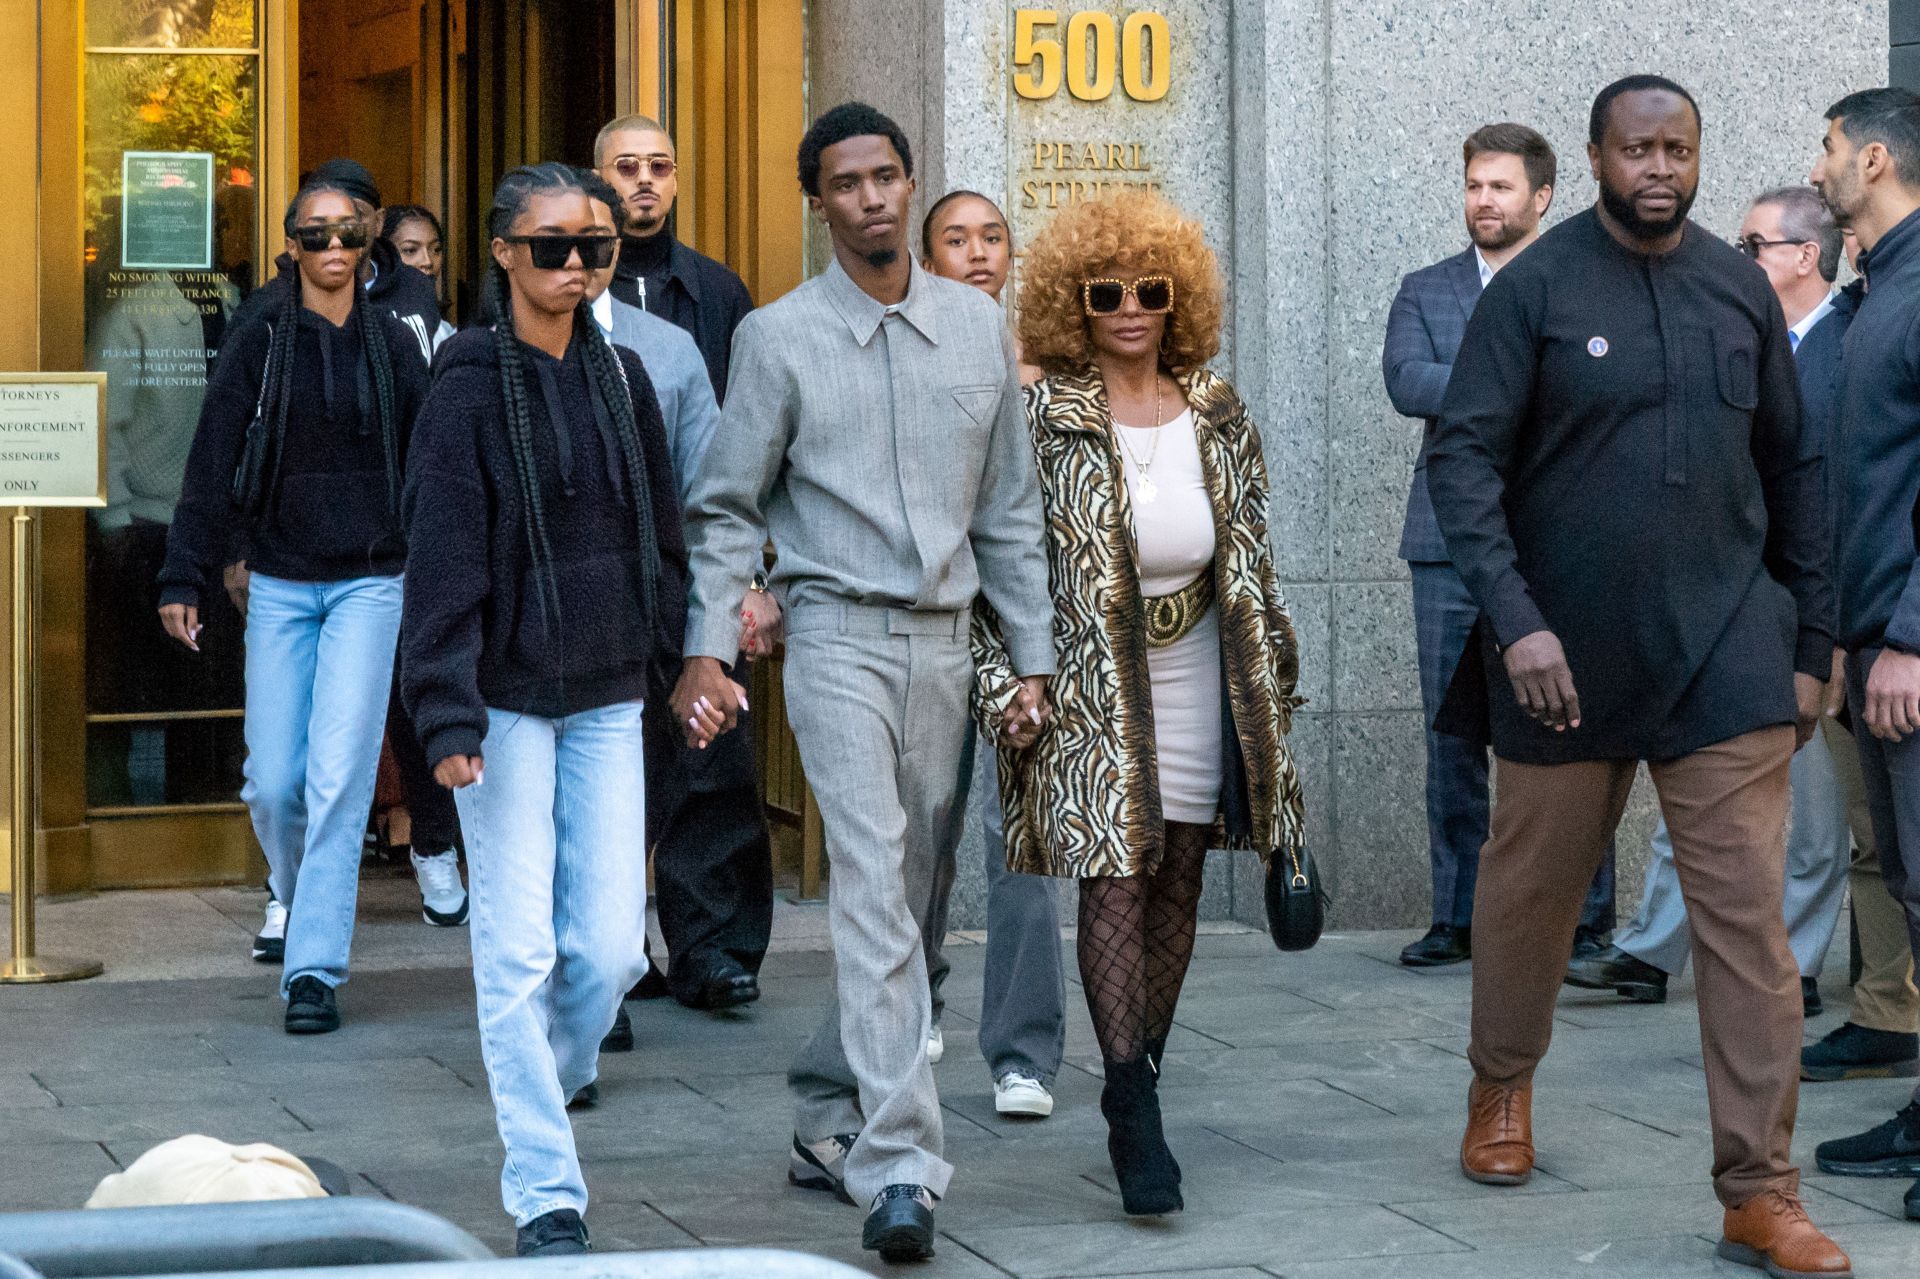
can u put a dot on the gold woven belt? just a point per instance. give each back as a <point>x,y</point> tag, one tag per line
<point>1170,617</point>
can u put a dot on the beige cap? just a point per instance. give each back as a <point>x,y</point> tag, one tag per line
<point>197,1170</point>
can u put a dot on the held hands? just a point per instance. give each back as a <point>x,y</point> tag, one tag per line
<point>1026,714</point>
<point>182,622</point>
<point>1542,682</point>
<point>1893,695</point>
<point>456,771</point>
<point>1810,701</point>
<point>707,701</point>
<point>762,626</point>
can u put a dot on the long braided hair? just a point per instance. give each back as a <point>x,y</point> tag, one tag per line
<point>260,461</point>
<point>604,373</point>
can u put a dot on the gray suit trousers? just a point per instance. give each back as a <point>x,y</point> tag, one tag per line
<point>877,699</point>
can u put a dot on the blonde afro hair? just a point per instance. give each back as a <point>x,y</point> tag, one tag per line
<point>1134,232</point>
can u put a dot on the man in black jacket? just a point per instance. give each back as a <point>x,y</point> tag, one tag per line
<point>1623,478</point>
<point>1869,173</point>
<point>713,863</point>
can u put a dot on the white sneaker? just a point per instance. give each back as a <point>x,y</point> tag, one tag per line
<point>443,898</point>
<point>936,1046</point>
<point>1018,1094</point>
<point>270,945</point>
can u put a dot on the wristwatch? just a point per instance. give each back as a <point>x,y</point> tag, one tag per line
<point>759,583</point>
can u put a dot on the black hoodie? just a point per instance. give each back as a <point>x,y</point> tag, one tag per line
<point>406,293</point>
<point>474,633</point>
<point>328,517</point>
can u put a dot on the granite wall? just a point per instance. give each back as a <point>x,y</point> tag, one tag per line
<point>1320,144</point>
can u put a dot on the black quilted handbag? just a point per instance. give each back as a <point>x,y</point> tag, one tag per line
<point>1296,900</point>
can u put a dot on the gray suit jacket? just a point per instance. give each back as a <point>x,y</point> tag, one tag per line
<point>1424,327</point>
<point>679,374</point>
<point>885,452</point>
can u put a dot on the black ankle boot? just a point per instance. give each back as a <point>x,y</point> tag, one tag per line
<point>1156,1056</point>
<point>1149,1178</point>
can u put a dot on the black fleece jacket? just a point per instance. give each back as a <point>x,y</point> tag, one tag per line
<point>474,631</point>
<point>328,518</point>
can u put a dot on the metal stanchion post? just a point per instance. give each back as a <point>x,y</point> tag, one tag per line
<point>25,966</point>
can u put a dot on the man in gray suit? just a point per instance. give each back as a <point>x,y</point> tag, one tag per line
<point>874,430</point>
<point>1510,173</point>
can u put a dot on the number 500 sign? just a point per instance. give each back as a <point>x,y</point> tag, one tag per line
<point>1097,45</point>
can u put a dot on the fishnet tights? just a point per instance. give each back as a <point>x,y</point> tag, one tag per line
<point>1136,938</point>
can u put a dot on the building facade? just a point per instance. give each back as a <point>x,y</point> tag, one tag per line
<point>1317,141</point>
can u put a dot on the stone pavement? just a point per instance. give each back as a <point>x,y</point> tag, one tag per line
<point>1314,1102</point>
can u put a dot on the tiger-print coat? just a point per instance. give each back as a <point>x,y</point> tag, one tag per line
<point>1084,800</point>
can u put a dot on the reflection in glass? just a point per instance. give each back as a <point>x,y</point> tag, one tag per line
<point>170,24</point>
<point>154,333</point>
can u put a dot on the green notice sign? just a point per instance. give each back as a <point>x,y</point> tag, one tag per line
<point>166,213</point>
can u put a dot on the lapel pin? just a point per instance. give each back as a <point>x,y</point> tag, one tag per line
<point>1596,347</point>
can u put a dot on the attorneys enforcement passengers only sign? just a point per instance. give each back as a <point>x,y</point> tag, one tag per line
<point>51,450</point>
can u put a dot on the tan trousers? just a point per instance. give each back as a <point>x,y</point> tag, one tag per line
<point>1726,808</point>
<point>1884,998</point>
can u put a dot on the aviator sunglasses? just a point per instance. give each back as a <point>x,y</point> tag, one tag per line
<point>1154,293</point>
<point>318,239</point>
<point>629,166</point>
<point>550,252</point>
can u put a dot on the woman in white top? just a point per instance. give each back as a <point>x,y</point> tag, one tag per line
<point>1177,661</point>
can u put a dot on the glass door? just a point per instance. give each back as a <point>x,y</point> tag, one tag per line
<point>173,241</point>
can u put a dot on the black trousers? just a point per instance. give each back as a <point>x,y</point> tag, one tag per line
<point>436,824</point>
<point>712,853</point>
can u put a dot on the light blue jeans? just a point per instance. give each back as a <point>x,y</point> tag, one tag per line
<point>557,874</point>
<point>319,669</point>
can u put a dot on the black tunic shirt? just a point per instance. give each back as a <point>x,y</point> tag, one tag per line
<point>1621,460</point>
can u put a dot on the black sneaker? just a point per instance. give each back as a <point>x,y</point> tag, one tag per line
<point>899,1226</point>
<point>586,1099</point>
<point>559,1233</point>
<point>1913,1202</point>
<point>1614,969</point>
<point>822,1165</point>
<point>620,1038</point>
<point>1810,1002</point>
<point>1443,944</point>
<point>1891,1150</point>
<point>311,1009</point>
<point>1854,1052</point>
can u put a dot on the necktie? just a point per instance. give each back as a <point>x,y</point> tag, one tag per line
<point>1793,340</point>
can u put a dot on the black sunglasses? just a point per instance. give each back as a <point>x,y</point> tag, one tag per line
<point>551,252</point>
<point>1154,293</point>
<point>1752,244</point>
<point>318,239</point>
<point>628,166</point>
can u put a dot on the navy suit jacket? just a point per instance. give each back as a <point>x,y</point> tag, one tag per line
<point>1817,359</point>
<point>1424,327</point>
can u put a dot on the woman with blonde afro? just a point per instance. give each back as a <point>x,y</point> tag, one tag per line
<point>1177,661</point>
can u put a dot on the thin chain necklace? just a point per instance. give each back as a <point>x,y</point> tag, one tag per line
<point>1145,490</point>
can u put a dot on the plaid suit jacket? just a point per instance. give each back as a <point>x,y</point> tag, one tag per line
<point>1424,327</point>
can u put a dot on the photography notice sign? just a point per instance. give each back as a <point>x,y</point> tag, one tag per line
<point>166,214</point>
<point>51,449</point>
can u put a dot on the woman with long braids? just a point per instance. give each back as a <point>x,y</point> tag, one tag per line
<point>1177,661</point>
<point>545,603</point>
<point>300,454</point>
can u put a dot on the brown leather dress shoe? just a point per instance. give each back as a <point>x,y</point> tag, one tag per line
<point>1771,1232</point>
<point>1498,1147</point>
